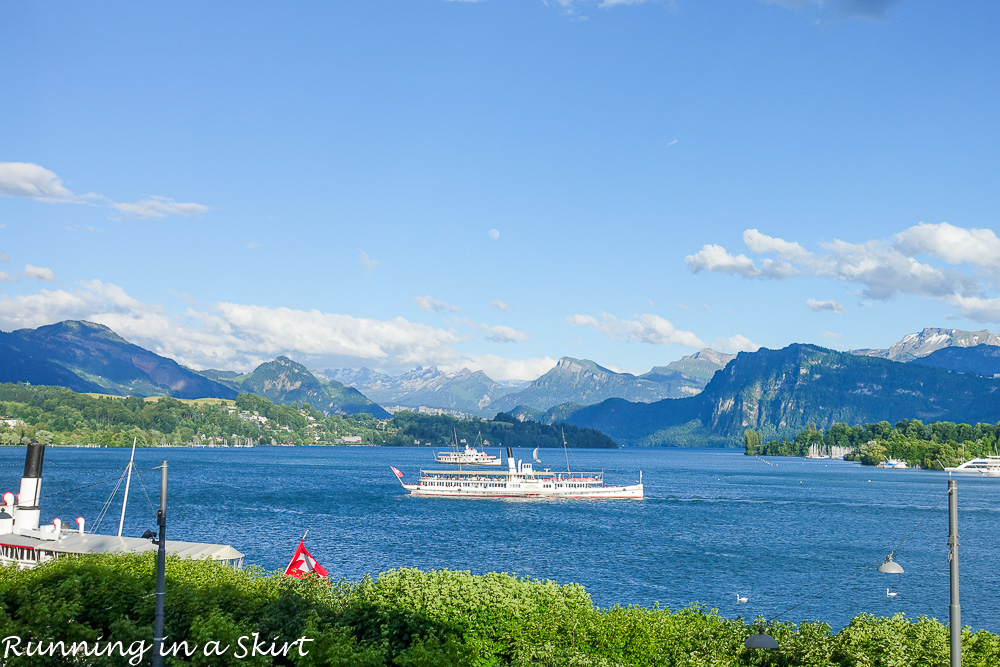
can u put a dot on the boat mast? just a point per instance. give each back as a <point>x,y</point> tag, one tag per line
<point>565,451</point>
<point>128,480</point>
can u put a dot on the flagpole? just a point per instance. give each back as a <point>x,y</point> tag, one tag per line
<point>301,543</point>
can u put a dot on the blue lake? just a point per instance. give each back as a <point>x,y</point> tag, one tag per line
<point>713,523</point>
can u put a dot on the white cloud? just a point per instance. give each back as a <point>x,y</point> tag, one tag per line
<point>976,308</point>
<point>366,261</point>
<point>883,269</point>
<point>737,343</point>
<point>777,269</point>
<point>157,207</point>
<point>39,273</point>
<point>31,181</point>
<point>5,277</point>
<point>716,258</point>
<point>431,304</point>
<point>763,244</point>
<point>502,368</point>
<point>884,272</point>
<point>239,337</point>
<point>500,305</point>
<point>498,333</point>
<point>832,335</point>
<point>646,328</point>
<point>45,307</point>
<point>829,305</point>
<point>954,245</point>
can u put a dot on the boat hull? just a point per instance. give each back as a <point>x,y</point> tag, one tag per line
<point>630,492</point>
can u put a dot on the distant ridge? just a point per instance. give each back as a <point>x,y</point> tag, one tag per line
<point>979,359</point>
<point>931,339</point>
<point>585,382</point>
<point>467,391</point>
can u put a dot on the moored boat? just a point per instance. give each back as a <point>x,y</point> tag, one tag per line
<point>988,466</point>
<point>520,480</point>
<point>25,542</point>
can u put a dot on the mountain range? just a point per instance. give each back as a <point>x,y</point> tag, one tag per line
<point>467,391</point>
<point>579,381</point>
<point>780,392</point>
<point>949,375</point>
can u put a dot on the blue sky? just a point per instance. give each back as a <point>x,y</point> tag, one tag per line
<point>497,184</point>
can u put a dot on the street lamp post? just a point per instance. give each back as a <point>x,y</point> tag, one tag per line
<point>890,566</point>
<point>954,609</point>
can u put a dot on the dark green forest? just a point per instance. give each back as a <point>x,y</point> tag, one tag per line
<point>501,430</point>
<point>935,445</point>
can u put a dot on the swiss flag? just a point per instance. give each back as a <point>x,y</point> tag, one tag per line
<point>396,470</point>
<point>303,563</point>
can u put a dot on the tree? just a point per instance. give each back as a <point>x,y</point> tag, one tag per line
<point>871,453</point>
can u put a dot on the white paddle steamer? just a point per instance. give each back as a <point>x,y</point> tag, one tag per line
<point>520,480</point>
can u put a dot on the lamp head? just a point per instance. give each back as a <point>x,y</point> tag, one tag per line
<point>890,566</point>
<point>761,640</point>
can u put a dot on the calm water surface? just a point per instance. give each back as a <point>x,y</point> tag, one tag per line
<point>713,523</point>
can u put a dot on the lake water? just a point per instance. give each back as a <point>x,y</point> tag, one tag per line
<point>713,523</point>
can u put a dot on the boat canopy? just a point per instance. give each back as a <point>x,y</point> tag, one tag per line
<point>89,543</point>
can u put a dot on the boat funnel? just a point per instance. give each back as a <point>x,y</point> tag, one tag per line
<point>31,488</point>
<point>510,460</point>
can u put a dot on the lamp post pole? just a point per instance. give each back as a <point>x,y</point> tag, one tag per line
<point>161,567</point>
<point>954,610</point>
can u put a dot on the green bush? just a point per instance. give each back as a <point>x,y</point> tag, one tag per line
<point>411,618</point>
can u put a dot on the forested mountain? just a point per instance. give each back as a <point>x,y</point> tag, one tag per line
<point>915,345</point>
<point>91,357</point>
<point>284,381</point>
<point>980,359</point>
<point>779,392</point>
<point>467,391</point>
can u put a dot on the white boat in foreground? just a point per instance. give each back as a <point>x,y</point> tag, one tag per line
<point>520,480</point>
<point>989,466</point>
<point>27,543</point>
